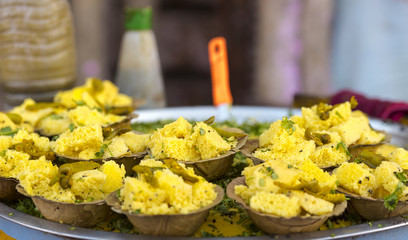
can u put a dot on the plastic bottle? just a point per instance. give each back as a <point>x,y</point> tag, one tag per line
<point>139,73</point>
<point>37,49</point>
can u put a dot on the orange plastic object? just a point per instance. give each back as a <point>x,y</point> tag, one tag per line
<point>217,51</point>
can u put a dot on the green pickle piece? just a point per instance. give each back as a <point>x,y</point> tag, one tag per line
<point>15,118</point>
<point>370,158</point>
<point>28,146</point>
<point>319,138</point>
<point>179,170</point>
<point>68,169</point>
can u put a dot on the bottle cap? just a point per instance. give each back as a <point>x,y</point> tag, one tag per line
<point>138,18</point>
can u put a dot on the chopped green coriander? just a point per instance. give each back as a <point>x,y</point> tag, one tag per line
<point>390,201</point>
<point>11,214</point>
<point>344,147</point>
<point>7,131</point>
<point>102,150</point>
<point>80,103</point>
<point>330,224</point>
<point>56,117</point>
<point>71,127</point>
<point>262,182</point>
<point>206,234</point>
<point>202,131</point>
<point>402,177</point>
<point>270,172</point>
<point>72,228</point>
<point>288,125</point>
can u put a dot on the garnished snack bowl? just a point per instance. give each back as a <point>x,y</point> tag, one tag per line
<point>166,225</point>
<point>272,224</point>
<point>86,214</point>
<point>217,167</point>
<point>8,189</point>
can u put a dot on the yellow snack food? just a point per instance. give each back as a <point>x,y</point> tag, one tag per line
<point>5,121</point>
<point>54,124</point>
<point>31,116</point>
<point>275,203</point>
<point>317,135</point>
<point>166,193</point>
<point>278,188</point>
<point>41,143</point>
<point>72,143</point>
<point>5,142</point>
<point>208,142</point>
<point>400,156</point>
<point>385,176</point>
<point>38,176</point>
<point>95,93</point>
<point>41,178</point>
<point>88,143</point>
<point>312,204</point>
<point>280,144</point>
<point>356,178</point>
<point>83,116</point>
<point>12,163</point>
<point>181,141</point>
<point>316,179</point>
<point>135,142</point>
<point>337,115</point>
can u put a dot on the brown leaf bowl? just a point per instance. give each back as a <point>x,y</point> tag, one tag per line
<point>372,208</point>
<point>217,167</point>
<point>249,148</point>
<point>8,189</point>
<point>272,224</point>
<point>87,214</point>
<point>166,225</point>
<point>127,161</point>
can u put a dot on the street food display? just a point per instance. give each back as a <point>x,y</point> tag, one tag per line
<point>300,173</point>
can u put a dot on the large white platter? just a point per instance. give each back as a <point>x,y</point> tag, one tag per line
<point>22,226</point>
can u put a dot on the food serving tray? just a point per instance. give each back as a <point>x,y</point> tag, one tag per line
<point>22,226</point>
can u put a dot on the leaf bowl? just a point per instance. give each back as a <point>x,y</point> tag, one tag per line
<point>272,224</point>
<point>166,224</point>
<point>86,214</point>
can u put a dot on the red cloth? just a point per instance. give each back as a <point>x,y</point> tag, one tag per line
<point>373,107</point>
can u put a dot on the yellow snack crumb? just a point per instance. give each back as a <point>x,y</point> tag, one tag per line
<point>82,138</point>
<point>399,156</point>
<point>275,203</point>
<point>356,178</point>
<point>135,142</point>
<point>385,175</point>
<point>312,204</point>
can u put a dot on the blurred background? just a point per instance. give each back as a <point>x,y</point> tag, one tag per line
<point>276,49</point>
